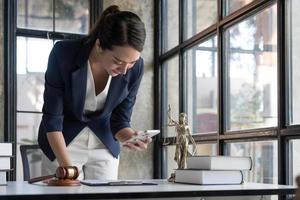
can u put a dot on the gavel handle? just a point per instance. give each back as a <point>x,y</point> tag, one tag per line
<point>41,178</point>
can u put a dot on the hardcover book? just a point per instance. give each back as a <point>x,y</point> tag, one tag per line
<point>4,163</point>
<point>208,177</point>
<point>219,162</point>
<point>5,149</point>
<point>3,178</point>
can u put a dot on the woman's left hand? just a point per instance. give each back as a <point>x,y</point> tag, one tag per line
<point>137,144</point>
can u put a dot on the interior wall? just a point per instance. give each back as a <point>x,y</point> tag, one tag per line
<point>1,74</point>
<point>133,164</point>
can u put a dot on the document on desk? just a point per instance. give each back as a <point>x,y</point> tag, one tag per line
<point>116,182</point>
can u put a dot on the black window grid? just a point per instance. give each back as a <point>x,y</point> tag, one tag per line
<point>283,132</point>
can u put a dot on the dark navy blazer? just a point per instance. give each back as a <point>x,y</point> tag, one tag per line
<point>64,97</point>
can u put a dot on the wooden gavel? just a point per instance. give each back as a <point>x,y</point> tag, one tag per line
<point>64,176</point>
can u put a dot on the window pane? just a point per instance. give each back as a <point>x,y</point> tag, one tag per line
<point>264,159</point>
<point>170,25</point>
<point>170,87</point>
<point>32,57</point>
<point>32,54</point>
<point>202,90</point>
<point>72,16</point>
<point>233,5</point>
<point>293,59</point>
<point>207,149</point>
<point>35,14</point>
<point>30,89</point>
<point>200,14</point>
<point>294,148</point>
<point>27,131</point>
<point>202,149</point>
<point>251,63</point>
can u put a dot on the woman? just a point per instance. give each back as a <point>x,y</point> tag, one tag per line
<point>90,89</point>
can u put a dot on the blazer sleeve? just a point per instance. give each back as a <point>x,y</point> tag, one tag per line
<point>53,94</point>
<point>121,115</point>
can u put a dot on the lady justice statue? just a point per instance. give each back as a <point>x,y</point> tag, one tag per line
<point>183,138</point>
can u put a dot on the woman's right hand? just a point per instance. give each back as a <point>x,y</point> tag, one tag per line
<point>58,146</point>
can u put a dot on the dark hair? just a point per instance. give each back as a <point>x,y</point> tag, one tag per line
<point>119,28</point>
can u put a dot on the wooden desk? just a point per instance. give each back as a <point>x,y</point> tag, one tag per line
<point>24,191</point>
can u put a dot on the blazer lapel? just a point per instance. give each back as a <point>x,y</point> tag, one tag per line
<point>79,79</point>
<point>117,87</point>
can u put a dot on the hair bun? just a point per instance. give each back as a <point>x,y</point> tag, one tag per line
<point>112,10</point>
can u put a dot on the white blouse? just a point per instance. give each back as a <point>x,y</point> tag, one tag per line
<point>92,102</point>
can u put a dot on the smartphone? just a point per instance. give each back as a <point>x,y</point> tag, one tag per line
<point>142,136</point>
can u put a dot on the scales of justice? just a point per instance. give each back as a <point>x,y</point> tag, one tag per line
<point>183,138</point>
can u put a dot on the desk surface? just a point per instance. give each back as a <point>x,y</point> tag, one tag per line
<point>23,190</point>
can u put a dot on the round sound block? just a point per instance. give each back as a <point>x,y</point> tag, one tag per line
<point>64,182</point>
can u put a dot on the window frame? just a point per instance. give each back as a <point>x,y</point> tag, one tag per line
<point>280,133</point>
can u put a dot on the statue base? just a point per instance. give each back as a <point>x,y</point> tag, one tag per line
<point>172,178</point>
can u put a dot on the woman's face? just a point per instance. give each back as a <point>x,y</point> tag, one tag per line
<point>119,60</point>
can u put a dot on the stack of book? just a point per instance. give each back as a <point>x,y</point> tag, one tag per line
<point>5,155</point>
<point>213,170</point>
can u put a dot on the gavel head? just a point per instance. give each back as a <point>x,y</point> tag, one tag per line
<point>67,172</point>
